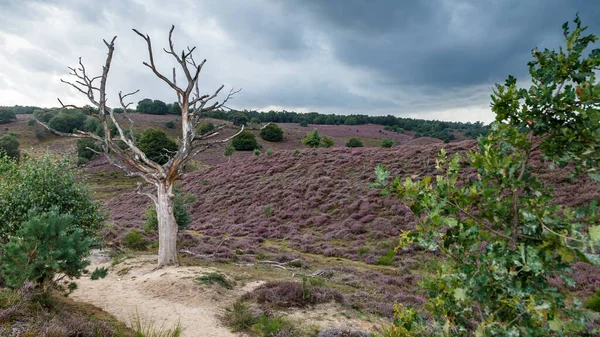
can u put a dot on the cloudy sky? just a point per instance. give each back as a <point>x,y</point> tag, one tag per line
<point>433,59</point>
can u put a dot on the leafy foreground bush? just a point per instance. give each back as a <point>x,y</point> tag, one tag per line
<point>40,184</point>
<point>41,252</point>
<point>272,133</point>
<point>135,240</point>
<point>245,141</point>
<point>503,234</point>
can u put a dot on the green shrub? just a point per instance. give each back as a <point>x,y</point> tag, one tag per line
<point>182,216</point>
<point>214,278</point>
<point>39,184</point>
<point>272,133</point>
<point>387,142</point>
<point>43,115</point>
<point>268,210</point>
<point>269,152</point>
<point>67,121</point>
<point>239,317</point>
<point>31,121</point>
<point>157,145</point>
<point>327,141</point>
<point>170,124</point>
<point>45,245</point>
<point>245,141</point>
<point>354,142</point>
<point>41,133</point>
<point>92,125</point>
<point>135,240</point>
<point>10,146</point>
<point>86,148</point>
<point>312,139</point>
<point>387,259</point>
<point>304,124</point>
<point>229,150</point>
<point>256,152</point>
<point>204,128</point>
<point>7,115</point>
<point>274,326</point>
<point>593,302</point>
<point>296,152</point>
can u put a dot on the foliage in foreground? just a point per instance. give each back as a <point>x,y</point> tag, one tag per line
<point>45,250</point>
<point>503,236</point>
<point>40,184</point>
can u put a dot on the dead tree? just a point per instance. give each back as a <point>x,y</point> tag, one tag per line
<point>129,157</point>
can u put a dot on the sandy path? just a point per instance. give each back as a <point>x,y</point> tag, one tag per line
<point>165,297</point>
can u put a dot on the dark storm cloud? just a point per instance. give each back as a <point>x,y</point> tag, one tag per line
<point>439,44</point>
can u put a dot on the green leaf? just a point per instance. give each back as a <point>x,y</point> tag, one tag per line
<point>556,324</point>
<point>460,294</point>
<point>565,254</point>
<point>595,233</point>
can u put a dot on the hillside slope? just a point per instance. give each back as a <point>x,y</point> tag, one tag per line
<point>317,201</point>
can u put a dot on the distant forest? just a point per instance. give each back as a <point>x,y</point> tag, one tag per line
<point>422,128</point>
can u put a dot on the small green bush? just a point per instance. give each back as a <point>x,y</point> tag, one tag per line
<point>312,139</point>
<point>269,152</point>
<point>239,317</point>
<point>135,240</point>
<point>272,133</point>
<point>296,152</point>
<point>387,259</point>
<point>214,278</point>
<point>593,302</point>
<point>45,245</point>
<point>274,326</point>
<point>204,128</point>
<point>256,152</point>
<point>10,146</point>
<point>67,121</point>
<point>354,142</point>
<point>170,124</point>
<point>245,141</point>
<point>41,183</point>
<point>268,210</point>
<point>304,124</point>
<point>87,149</point>
<point>31,121</point>
<point>157,145</point>
<point>387,142</point>
<point>7,115</point>
<point>327,141</point>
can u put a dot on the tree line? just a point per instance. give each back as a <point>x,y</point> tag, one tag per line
<point>422,128</point>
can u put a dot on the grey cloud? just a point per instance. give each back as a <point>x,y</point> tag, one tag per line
<point>353,56</point>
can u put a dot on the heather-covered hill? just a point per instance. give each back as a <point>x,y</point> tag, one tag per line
<point>316,201</point>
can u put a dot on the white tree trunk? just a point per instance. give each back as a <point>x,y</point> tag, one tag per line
<point>167,227</point>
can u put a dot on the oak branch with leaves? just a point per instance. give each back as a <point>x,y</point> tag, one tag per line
<point>121,149</point>
<point>502,233</point>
